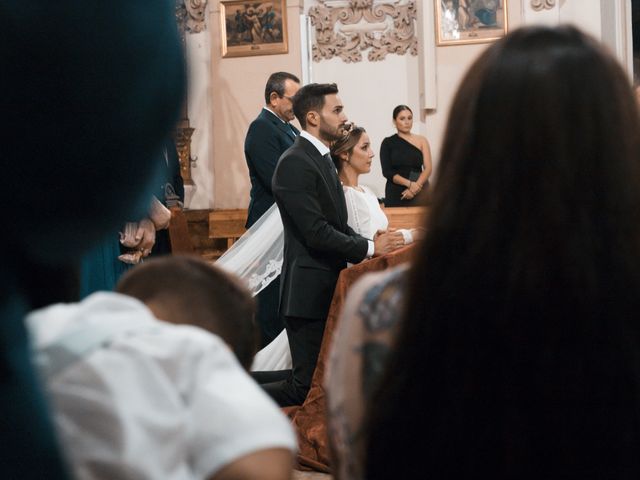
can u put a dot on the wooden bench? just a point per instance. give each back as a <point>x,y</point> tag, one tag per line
<point>406,217</point>
<point>227,224</point>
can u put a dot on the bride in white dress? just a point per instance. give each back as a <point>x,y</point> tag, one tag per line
<point>257,256</point>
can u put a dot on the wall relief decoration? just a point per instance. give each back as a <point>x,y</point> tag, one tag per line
<point>190,15</point>
<point>345,29</point>
<point>538,5</point>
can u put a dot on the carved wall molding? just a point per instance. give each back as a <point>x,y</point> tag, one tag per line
<point>538,5</point>
<point>182,136</point>
<point>345,29</point>
<point>191,15</point>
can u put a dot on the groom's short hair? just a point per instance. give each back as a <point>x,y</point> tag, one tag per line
<point>188,290</point>
<point>311,97</point>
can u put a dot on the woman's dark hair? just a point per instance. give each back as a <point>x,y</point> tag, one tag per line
<point>345,144</point>
<point>519,354</point>
<point>400,108</point>
<point>311,97</point>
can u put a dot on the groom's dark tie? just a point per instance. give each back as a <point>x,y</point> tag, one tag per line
<point>330,164</point>
<point>333,172</point>
<point>339,191</point>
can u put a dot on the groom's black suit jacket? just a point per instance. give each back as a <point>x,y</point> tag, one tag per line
<point>318,243</point>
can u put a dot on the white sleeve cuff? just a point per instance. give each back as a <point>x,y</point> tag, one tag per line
<point>371,249</point>
<point>406,234</point>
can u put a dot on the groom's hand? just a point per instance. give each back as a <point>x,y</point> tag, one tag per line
<point>387,242</point>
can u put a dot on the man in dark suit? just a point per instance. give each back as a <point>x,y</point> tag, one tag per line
<point>268,137</point>
<point>318,243</point>
<point>171,183</point>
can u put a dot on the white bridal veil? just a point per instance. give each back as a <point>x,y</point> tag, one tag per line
<point>257,259</point>
<point>257,256</point>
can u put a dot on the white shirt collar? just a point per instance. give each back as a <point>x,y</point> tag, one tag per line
<point>273,113</point>
<point>321,147</point>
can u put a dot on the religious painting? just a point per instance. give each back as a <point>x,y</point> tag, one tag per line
<point>253,28</point>
<point>470,21</point>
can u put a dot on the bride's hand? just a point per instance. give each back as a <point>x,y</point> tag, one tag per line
<point>379,232</point>
<point>387,242</point>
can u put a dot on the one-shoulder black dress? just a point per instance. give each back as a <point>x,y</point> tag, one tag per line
<point>402,158</point>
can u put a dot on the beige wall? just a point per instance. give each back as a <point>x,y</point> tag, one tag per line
<point>199,107</point>
<point>237,94</point>
<point>451,63</point>
<point>227,93</point>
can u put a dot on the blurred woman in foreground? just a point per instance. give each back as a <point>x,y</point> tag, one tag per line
<point>519,351</point>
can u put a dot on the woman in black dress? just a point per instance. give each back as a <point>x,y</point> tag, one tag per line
<point>406,162</point>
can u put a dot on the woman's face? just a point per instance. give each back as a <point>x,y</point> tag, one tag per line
<point>404,121</point>
<point>361,155</point>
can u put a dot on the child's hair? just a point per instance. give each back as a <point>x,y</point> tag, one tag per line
<point>187,290</point>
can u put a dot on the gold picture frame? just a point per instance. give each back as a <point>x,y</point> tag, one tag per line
<point>460,22</point>
<point>253,28</point>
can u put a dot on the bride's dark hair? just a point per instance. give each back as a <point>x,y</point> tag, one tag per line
<point>345,144</point>
<point>519,352</point>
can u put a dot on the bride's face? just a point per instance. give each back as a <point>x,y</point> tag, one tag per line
<point>361,156</point>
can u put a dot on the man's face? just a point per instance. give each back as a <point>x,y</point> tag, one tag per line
<point>332,119</point>
<point>282,106</point>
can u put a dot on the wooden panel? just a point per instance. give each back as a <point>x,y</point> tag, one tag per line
<point>406,217</point>
<point>227,223</point>
<point>211,231</point>
<point>207,248</point>
<point>179,233</point>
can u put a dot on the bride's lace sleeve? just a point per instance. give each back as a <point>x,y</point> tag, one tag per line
<point>257,256</point>
<point>358,212</point>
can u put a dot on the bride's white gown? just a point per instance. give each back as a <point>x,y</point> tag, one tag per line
<point>257,258</point>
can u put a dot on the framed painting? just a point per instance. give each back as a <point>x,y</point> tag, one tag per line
<point>470,21</point>
<point>253,28</point>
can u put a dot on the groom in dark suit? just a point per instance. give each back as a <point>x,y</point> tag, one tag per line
<point>318,243</point>
<point>268,137</point>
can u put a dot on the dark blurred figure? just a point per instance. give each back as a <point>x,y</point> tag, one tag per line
<point>169,190</point>
<point>89,93</point>
<point>519,353</point>
<point>103,265</point>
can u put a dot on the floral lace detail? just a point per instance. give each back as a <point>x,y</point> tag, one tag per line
<point>259,281</point>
